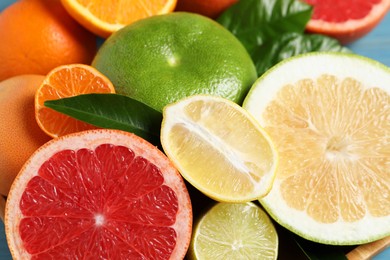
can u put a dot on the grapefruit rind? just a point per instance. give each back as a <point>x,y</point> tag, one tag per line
<point>376,13</point>
<point>174,115</point>
<point>91,139</point>
<point>353,29</point>
<point>369,73</point>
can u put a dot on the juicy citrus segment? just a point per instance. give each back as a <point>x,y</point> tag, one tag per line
<point>330,125</point>
<point>218,148</point>
<point>105,17</point>
<point>234,231</point>
<point>98,194</point>
<point>67,81</point>
<point>335,142</point>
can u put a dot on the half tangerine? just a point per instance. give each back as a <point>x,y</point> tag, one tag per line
<point>67,81</point>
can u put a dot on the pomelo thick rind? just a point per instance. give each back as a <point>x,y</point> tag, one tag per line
<point>91,139</point>
<point>371,74</point>
<point>162,59</point>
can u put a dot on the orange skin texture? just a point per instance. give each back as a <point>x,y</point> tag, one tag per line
<point>20,134</point>
<point>39,35</point>
<point>209,8</point>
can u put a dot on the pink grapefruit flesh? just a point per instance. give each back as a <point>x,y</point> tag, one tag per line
<point>346,21</point>
<point>98,194</point>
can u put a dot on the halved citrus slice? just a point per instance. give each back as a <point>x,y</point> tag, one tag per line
<point>106,17</point>
<point>346,21</point>
<point>234,231</point>
<point>67,81</point>
<point>328,114</point>
<point>219,148</point>
<point>98,194</point>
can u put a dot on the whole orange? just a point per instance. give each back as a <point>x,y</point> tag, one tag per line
<point>210,8</point>
<point>39,35</point>
<point>20,134</point>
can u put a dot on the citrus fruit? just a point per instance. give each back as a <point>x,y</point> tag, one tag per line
<point>234,231</point>
<point>67,81</point>
<point>20,134</point>
<point>98,194</point>
<point>218,148</point>
<point>39,35</point>
<point>328,115</point>
<point>346,21</point>
<point>210,8</point>
<point>162,59</point>
<point>105,17</point>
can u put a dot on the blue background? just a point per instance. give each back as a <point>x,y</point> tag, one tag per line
<point>375,45</point>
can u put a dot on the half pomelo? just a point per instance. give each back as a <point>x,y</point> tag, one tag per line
<point>328,115</point>
<point>98,194</point>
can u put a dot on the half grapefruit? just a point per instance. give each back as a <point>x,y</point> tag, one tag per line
<point>346,21</point>
<point>98,194</point>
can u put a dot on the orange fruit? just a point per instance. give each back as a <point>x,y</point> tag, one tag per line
<point>98,194</point>
<point>105,17</point>
<point>346,21</point>
<point>210,8</point>
<point>39,35</point>
<point>67,81</point>
<point>20,134</point>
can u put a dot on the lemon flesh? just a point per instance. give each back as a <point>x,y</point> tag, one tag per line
<point>328,115</point>
<point>219,148</point>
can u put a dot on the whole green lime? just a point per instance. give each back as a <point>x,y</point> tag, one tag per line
<point>164,58</point>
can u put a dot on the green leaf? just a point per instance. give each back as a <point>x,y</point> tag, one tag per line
<point>291,44</point>
<point>112,111</point>
<point>316,251</point>
<point>254,22</point>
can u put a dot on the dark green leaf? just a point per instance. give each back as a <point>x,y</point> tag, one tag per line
<point>316,251</point>
<point>112,111</point>
<point>254,22</point>
<point>291,44</point>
